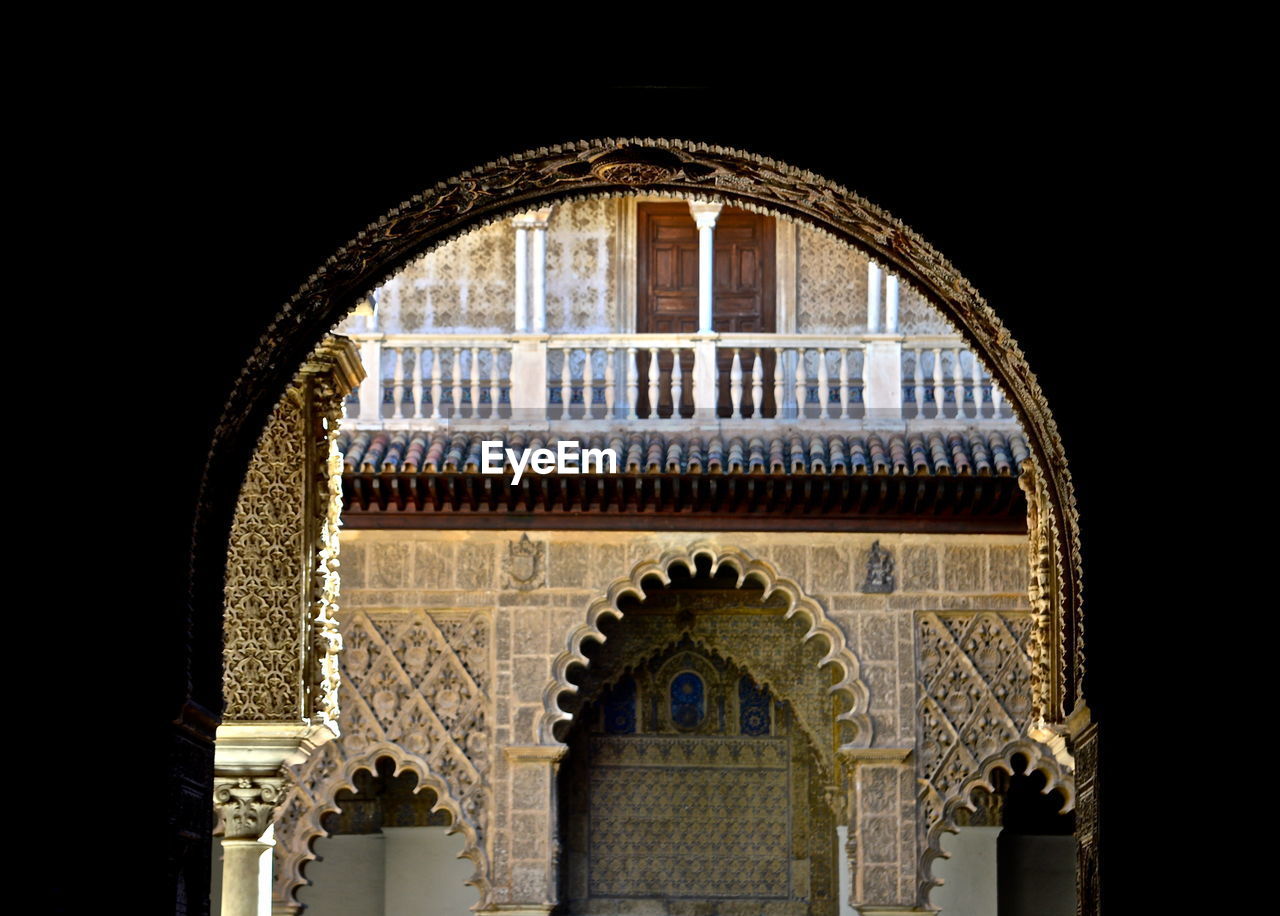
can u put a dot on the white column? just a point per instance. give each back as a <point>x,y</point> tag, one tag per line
<point>531,270</point>
<point>247,805</point>
<point>891,304</point>
<point>705,215</point>
<point>873,297</point>
<point>522,276</point>
<point>371,387</point>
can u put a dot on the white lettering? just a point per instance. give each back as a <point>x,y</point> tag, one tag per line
<point>490,451</point>
<point>598,455</point>
<point>566,451</point>
<point>519,464</point>
<point>567,458</point>
<point>543,461</point>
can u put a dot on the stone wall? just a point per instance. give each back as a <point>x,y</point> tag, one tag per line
<point>532,595</point>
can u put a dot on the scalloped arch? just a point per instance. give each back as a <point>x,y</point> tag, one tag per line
<point>1038,758</point>
<point>849,684</point>
<point>292,861</point>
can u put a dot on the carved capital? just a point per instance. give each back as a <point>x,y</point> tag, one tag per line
<point>704,213</point>
<point>534,219</point>
<point>247,804</point>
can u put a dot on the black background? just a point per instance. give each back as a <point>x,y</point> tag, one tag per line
<point>225,197</point>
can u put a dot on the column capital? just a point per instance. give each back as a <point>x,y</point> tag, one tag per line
<point>704,213</point>
<point>247,803</point>
<point>534,219</point>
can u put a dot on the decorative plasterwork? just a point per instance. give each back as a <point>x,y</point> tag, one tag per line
<point>611,167</point>
<point>848,685</point>
<point>1036,757</point>
<point>414,689</point>
<point>281,591</point>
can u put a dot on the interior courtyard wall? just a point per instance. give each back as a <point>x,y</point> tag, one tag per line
<point>466,596</point>
<point>467,286</point>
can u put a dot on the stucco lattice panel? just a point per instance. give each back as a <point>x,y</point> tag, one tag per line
<point>832,294</point>
<point>467,285</point>
<point>975,696</point>
<point>264,626</point>
<point>741,813</point>
<point>581,270</point>
<point>833,284</point>
<point>413,688</point>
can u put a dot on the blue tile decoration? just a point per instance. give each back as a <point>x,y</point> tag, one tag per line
<point>688,700</point>
<point>753,707</point>
<point>620,708</point>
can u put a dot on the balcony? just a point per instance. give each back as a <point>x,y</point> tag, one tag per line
<point>597,382</point>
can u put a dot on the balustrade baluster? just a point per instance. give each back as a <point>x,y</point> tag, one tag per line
<point>495,382</point>
<point>417,383</point>
<point>588,385</point>
<point>979,393</point>
<point>824,381</point>
<point>735,383</point>
<point>653,383</point>
<point>631,369</point>
<point>437,389</point>
<point>779,384</point>
<point>610,392</point>
<point>957,380</point>
<point>802,382</point>
<point>939,391</point>
<point>398,384</point>
<point>677,386</point>
<point>917,376</point>
<point>846,393</point>
<point>566,384</point>
<point>455,382</point>
<point>997,400</point>
<point>757,386</point>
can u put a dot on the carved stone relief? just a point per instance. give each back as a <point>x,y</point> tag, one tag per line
<point>524,564</point>
<point>415,688</point>
<point>879,579</point>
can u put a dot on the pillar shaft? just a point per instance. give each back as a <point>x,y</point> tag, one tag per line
<point>704,216</point>
<point>873,297</point>
<point>522,279</point>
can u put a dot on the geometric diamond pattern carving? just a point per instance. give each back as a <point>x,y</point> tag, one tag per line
<point>975,696</point>
<point>413,688</point>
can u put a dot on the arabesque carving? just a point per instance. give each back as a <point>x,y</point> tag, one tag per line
<point>415,689</point>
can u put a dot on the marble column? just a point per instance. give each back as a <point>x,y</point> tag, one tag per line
<point>873,297</point>
<point>704,216</point>
<point>246,806</point>
<point>706,391</point>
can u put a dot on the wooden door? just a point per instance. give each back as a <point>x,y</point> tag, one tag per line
<point>667,299</point>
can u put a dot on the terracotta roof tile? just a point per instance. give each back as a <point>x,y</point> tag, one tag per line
<point>943,452</point>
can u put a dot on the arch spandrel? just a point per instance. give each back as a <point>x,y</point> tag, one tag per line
<point>848,686</point>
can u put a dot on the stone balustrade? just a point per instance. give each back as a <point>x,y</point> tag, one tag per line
<point>882,380</point>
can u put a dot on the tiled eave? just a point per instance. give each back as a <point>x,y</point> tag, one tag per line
<point>948,481</point>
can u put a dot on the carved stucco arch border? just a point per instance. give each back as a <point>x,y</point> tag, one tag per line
<point>308,829</point>
<point>849,683</point>
<point>1038,757</point>
<point>622,166</point>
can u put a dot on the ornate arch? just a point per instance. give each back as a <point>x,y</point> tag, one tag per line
<point>849,684</point>
<point>629,166</point>
<point>314,793</point>
<point>1038,757</point>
